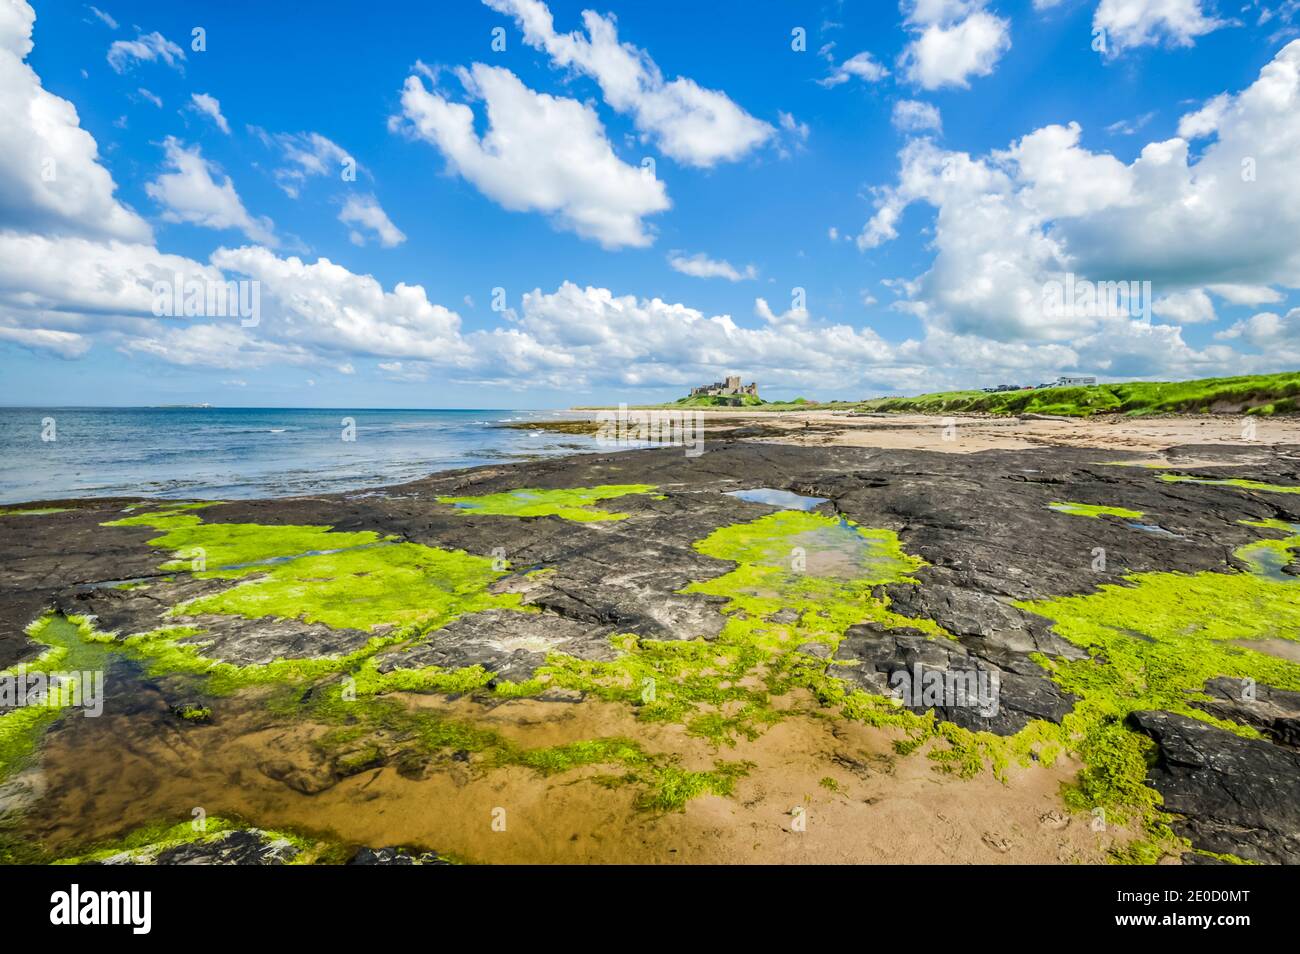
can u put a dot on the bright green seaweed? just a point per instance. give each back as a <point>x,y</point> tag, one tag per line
<point>1153,642</point>
<point>1240,482</point>
<point>145,843</point>
<point>230,550</point>
<point>1094,510</point>
<point>67,651</point>
<point>365,587</point>
<point>345,580</point>
<point>800,578</point>
<point>575,503</point>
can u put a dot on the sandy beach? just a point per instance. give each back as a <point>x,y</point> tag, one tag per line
<point>966,434</point>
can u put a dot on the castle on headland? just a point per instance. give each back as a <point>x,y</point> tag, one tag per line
<point>729,388</point>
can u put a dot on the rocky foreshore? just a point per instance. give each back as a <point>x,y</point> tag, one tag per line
<point>1134,618</point>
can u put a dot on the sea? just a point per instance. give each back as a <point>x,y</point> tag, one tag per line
<point>228,453</point>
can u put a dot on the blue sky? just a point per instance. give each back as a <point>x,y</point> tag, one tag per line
<point>912,169</point>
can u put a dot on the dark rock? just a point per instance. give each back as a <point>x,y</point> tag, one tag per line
<point>250,846</point>
<point>877,654</point>
<point>1275,712</point>
<point>1236,796</point>
<point>395,856</point>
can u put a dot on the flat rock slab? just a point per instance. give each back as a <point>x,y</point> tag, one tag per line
<point>1235,795</point>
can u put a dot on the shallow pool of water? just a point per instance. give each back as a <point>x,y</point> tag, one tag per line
<point>1156,529</point>
<point>785,499</point>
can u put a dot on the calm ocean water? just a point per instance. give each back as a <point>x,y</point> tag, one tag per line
<point>250,452</point>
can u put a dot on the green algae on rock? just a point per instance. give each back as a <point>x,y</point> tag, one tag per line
<point>1239,482</point>
<point>353,580</point>
<point>1094,510</point>
<point>800,578</point>
<point>211,838</point>
<point>1153,643</point>
<point>364,587</point>
<point>227,550</point>
<point>68,650</point>
<point>575,503</point>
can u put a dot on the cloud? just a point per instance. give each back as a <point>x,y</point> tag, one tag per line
<point>861,65</point>
<point>1131,23</point>
<point>326,307</point>
<point>694,125</point>
<point>1131,127</point>
<point>1186,308</point>
<point>225,346</point>
<point>795,130</point>
<point>365,211</point>
<point>190,194</point>
<point>52,180</point>
<point>306,155</point>
<point>209,106</point>
<point>953,40</point>
<point>1247,294</point>
<point>1273,335</point>
<point>61,294</point>
<point>701,266</point>
<point>147,47</point>
<point>540,153</point>
<point>1009,222</point>
<point>151,97</point>
<point>580,336</point>
<point>65,344</point>
<point>103,17</point>
<point>911,115</point>
<point>404,371</point>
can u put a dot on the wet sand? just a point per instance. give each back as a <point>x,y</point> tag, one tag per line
<point>822,790</point>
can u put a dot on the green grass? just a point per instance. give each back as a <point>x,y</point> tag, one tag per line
<point>715,400</point>
<point>1259,394</point>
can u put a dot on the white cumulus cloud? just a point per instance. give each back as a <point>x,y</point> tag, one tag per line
<point>366,212</point>
<point>911,115</point>
<point>540,153</point>
<point>52,178</point>
<point>953,40</point>
<point>862,66</point>
<point>210,107</point>
<point>701,266</point>
<point>147,48</point>
<point>1009,222</point>
<point>692,124</point>
<point>190,193</point>
<point>1130,23</point>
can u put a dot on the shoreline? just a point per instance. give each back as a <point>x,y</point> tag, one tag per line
<point>969,434</point>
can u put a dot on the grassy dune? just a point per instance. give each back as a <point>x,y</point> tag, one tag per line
<point>1261,394</point>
